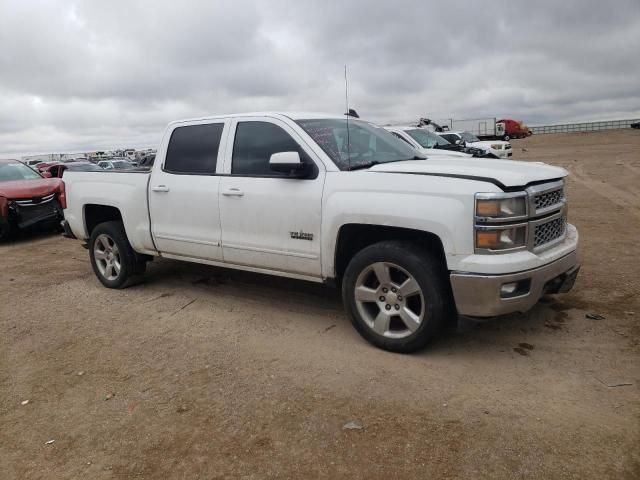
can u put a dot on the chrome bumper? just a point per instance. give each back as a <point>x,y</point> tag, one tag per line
<point>490,295</point>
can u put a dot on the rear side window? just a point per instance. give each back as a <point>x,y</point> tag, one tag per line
<point>450,137</point>
<point>194,149</point>
<point>254,144</point>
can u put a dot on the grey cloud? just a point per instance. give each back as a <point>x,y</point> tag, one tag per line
<point>93,74</point>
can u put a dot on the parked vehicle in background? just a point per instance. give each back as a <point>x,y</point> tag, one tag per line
<point>499,148</point>
<point>116,164</point>
<point>483,128</point>
<point>147,160</point>
<point>428,141</point>
<point>635,125</point>
<point>514,129</point>
<point>32,163</point>
<point>42,166</point>
<point>338,200</point>
<point>56,170</point>
<point>27,199</point>
<point>424,141</point>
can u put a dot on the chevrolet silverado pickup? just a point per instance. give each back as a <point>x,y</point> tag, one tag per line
<point>411,241</point>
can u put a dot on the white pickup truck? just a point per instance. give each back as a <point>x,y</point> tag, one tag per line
<point>411,242</point>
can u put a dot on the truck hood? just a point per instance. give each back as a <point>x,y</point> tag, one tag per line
<point>18,189</point>
<point>504,173</point>
<point>435,152</point>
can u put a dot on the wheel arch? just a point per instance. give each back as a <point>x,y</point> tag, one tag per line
<point>353,237</point>
<point>95,214</point>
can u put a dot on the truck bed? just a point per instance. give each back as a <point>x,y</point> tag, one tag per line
<point>125,190</point>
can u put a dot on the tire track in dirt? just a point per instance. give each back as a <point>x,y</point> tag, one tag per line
<point>632,168</point>
<point>617,196</point>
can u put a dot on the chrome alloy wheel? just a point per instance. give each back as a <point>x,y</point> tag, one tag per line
<point>107,257</point>
<point>389,300</point>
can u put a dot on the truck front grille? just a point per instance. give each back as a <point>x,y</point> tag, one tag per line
<point>549,199</point>
<point>32,202</point>
<point>549,231</point>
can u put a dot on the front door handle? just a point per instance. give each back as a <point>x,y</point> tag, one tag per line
<point>160,188</point>
<point>233,192</point>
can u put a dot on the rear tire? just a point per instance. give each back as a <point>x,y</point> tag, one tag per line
<point>397,295</point>
<point>113,260</point>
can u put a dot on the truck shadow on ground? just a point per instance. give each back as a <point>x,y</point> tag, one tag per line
<point>517,331</point>
<point>26,236</point>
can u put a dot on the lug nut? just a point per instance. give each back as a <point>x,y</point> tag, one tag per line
<point>381,298</point>
<point>388,307</point>
<point>394,290</point>
<point>397,306</point>
<point>385,289</point>
<point>400,297</point>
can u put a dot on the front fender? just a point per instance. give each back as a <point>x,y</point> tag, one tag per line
<point>438,205</point>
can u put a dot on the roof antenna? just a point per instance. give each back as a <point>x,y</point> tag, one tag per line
<point>346,101</point>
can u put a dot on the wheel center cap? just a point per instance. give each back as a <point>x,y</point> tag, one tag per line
<point>392,298</point>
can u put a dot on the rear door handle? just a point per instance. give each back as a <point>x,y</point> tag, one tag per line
<point>160,188</point>
<point>233,192</point>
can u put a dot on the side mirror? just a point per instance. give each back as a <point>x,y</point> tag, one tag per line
<point>287,162</point>
<point>458,142</point>
<point>46,174</point>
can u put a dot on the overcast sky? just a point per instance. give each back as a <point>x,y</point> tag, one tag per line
<point>84,75</point>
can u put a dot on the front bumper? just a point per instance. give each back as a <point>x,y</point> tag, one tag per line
<point>503,153</point>
<point>479,295</point>
<point>29,216</point>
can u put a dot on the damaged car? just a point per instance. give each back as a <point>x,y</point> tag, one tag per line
<point>27,199</point>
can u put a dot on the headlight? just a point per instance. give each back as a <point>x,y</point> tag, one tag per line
<point>492,206</point>
<point>496,146</point>
<point>501,238</point>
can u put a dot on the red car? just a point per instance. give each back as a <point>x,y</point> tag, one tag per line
<point>27,199</point>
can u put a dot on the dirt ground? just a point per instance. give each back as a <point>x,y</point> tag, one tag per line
<point>207,373</point>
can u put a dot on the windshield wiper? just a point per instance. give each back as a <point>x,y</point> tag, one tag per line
<point>376,162</point>
<point>363,165</point>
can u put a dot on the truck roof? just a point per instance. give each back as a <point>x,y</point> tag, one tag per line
<point>291,115</point>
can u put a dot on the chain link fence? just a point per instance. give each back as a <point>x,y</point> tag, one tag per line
<point>583,127</point>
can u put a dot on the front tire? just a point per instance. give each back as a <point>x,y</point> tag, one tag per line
<point>396,295</point>
<point>113,260</point>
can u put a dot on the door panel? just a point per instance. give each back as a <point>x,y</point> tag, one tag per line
<point>270,222</point>
<point>274,224</point>
<point>183,193</point>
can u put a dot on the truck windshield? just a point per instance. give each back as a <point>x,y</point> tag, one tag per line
<point>426,139</point>
<point>368,143</point>
<point>469,137</point>
<point>16,171</point>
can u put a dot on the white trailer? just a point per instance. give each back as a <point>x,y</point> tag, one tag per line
<point>483,128</point>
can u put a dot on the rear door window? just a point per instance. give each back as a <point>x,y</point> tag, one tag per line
<point>194,149</point>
